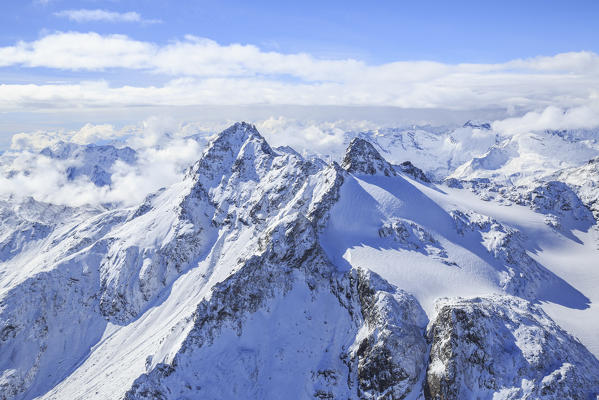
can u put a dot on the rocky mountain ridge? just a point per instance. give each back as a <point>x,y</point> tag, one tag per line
<point>263,273</point>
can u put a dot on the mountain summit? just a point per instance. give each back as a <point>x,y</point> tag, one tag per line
<point>362,158</point>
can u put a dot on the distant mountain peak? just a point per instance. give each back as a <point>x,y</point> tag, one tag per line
<point>92,161</point>
<point>477,124</point>
<point>239,131</point>
<point>362,158</point>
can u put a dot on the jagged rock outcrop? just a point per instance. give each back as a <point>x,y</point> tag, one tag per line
<point>388,352</point>
<point>520,274</point>
<point>411,236</point>
<point>556,200</point>
<point>369,342</point>
<point>552,198</point>
<point>362,158</point>
<point>410,169</point>
<point>585,182</point>
<point>504,347</point>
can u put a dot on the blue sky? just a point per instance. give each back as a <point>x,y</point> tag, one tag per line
<point>380,31</point>
<point>66,62</point>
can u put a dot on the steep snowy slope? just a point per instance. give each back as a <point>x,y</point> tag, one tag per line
<point>266,275</point>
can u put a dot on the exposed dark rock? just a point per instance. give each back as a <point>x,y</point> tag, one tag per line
<point>410,169</point>
<point>362,158</point>
<point>484,347</point>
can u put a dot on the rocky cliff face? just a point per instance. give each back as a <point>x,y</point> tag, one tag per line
<point>504,347</point>
<point>585,182</point>
<point>362,158</point>
<point>229,285</point>
<point>352,335</point>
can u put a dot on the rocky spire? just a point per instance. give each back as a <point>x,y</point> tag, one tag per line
<point>362,158</point>
<point>223,151</point>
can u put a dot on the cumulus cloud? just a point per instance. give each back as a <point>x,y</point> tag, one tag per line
<point>151,132</point>
<point>196,56</point>
<point>85,15</point>
<point>312,137</point>
<point>65,51</point>
<point>552,118</point>
<point>87,134</point>
<point>195,71</point>
<point>163,154</point>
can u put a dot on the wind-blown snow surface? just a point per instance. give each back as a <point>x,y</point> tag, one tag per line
<point>263,274</point>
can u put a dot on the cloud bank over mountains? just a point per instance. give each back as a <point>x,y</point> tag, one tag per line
<point>165,147</point>
<point>195,70</point>
<point>74,80</point>
<point>160,159</point>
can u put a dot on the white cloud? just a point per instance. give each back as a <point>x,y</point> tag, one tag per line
<point>85,15</point>
<point>559,92</point>
<point>162,157</point>
<point>202,57</point>
<point>66,51</point>
<point>89,133</point>
<point>471,92</point>
<point>553,118</point>
<point>201,71</point>
<point>315,137</point>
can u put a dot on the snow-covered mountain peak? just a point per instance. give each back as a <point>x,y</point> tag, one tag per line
<point>236,143</point>
<point>522,157</point>
<point>362,158</point>
<point>64,163</point>
<point>63,150</point>
<point>234,137</point>
<point>585,181</point>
